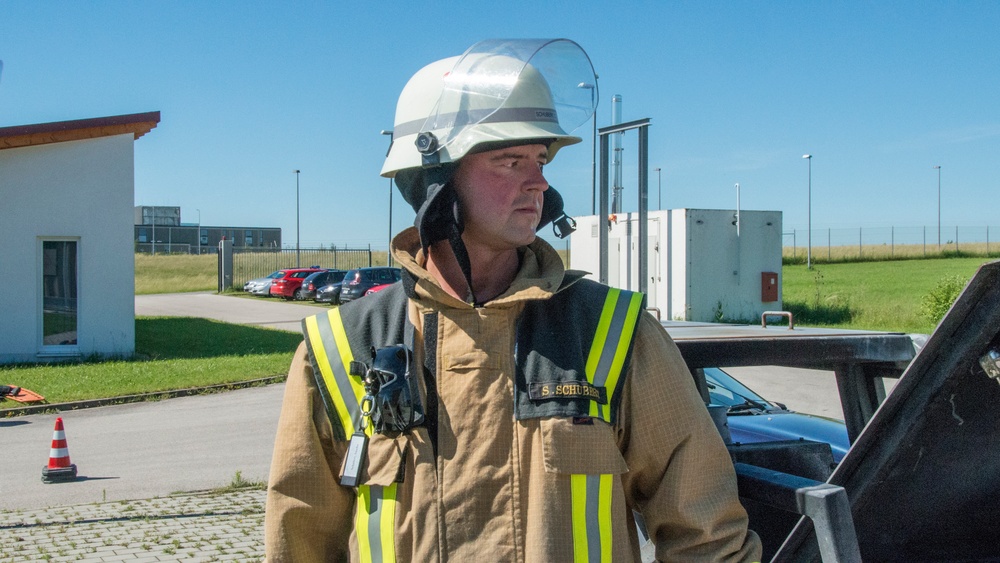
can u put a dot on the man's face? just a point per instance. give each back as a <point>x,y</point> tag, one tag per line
<point>501,196</point>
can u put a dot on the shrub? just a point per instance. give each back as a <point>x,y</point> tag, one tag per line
<point>937,301</point>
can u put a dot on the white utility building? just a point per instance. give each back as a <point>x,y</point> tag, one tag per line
<point>703,264</point>
<point>66,222</point>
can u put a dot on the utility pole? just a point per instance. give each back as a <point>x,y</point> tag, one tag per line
<point>298,264</point>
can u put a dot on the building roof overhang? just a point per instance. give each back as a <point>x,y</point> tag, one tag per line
<point>138,124</point>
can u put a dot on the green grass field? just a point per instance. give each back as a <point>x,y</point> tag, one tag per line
<point>869,295</point>
<point>174,273</point>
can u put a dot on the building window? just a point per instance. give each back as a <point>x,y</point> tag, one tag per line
<point>204,236</point>
<point>59,292</point>
<point>143,236</point>
<point>247,238</point>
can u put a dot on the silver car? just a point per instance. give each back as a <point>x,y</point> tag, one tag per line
<point>261,286</point>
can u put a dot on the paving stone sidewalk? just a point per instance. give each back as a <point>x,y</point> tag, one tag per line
<point>209,526</point>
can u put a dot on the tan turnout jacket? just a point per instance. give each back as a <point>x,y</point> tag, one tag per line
<point>500,488</point>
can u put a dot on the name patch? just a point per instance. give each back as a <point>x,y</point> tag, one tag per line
<point>567,390</point>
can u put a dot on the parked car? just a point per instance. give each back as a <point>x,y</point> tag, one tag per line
<point>360,280</point>
<point>290,281</point>
<point>329,293</point>
<point>261,286</point>
<point>378,288</point>
<point>312,284</point>
<point>752,418</point>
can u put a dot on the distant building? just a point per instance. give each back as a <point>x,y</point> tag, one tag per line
<point>163,224</point>
<point>68,191</point>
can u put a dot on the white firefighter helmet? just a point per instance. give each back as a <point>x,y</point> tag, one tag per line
<point>499,92</point>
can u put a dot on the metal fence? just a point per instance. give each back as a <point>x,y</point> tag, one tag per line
<point>256,263</point>
<point>869,243</point>
<point>172,248</point>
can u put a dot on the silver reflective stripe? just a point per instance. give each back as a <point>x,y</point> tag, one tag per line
<point>593,518</point>
<point>375,523</point>
<point>474,117</point>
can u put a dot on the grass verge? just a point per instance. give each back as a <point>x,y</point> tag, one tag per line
<point>171,353</point>
<point>174,273</point>
<point>869,295</point>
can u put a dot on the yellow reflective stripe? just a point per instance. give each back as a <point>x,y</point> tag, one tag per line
<point>578,486</point>
<point>323,361</point>
<point>634,308</point>
<point>332,352</point>
<point>346,357</point>
<point>604,516</point>
<point>361,523</point>
<point>610,345</point>
<point>607,312</point>
<point>374,523</point>
<point>387,524</point>
<point>597,347</point>
<point>591,515</point>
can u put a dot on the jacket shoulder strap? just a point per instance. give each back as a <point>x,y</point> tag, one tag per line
<point>573,350</point>
<point>343,334</point>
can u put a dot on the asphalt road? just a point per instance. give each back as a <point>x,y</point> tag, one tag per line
<point>142,450</point>
<point>263,311</point>
<point>145,450</point>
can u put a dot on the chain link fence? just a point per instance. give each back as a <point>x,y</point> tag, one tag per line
<point>255,263</point>
<point>881,243</point>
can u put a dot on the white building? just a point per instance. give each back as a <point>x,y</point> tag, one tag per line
<point>701,265</point>
<point>66,238</point>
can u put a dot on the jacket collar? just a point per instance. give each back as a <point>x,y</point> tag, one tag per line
<point>541,274</point>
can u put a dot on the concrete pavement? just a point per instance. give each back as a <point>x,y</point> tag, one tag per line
<point>142,450</point>
<point>263,311</point>
<point>187,527</point>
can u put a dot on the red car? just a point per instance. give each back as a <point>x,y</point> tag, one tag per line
<point>290,280</point>
<point>377,288</point>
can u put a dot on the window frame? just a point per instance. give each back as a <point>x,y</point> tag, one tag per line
<point>55,350</point>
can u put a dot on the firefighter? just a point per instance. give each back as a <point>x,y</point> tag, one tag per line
<point>493,404</point>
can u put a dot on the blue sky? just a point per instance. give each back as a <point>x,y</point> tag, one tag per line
<point>878,92</point>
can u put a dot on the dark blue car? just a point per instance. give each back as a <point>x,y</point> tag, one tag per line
<point>752,418</point>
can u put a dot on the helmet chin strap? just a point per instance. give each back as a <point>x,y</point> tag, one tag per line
<point>462,255</point>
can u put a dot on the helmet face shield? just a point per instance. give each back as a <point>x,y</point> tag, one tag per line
<point>498,91</point>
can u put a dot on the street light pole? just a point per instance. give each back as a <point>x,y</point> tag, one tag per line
<point>659,193</point>
<point>938,168</point>
<point>810,218</point>
<point>389,252</point>
<point>298,264</point>
<point>593,147</point>
<point>154,231</point>
<point>737,209</point>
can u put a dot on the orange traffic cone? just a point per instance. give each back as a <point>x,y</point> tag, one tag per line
<point>59,467</point>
